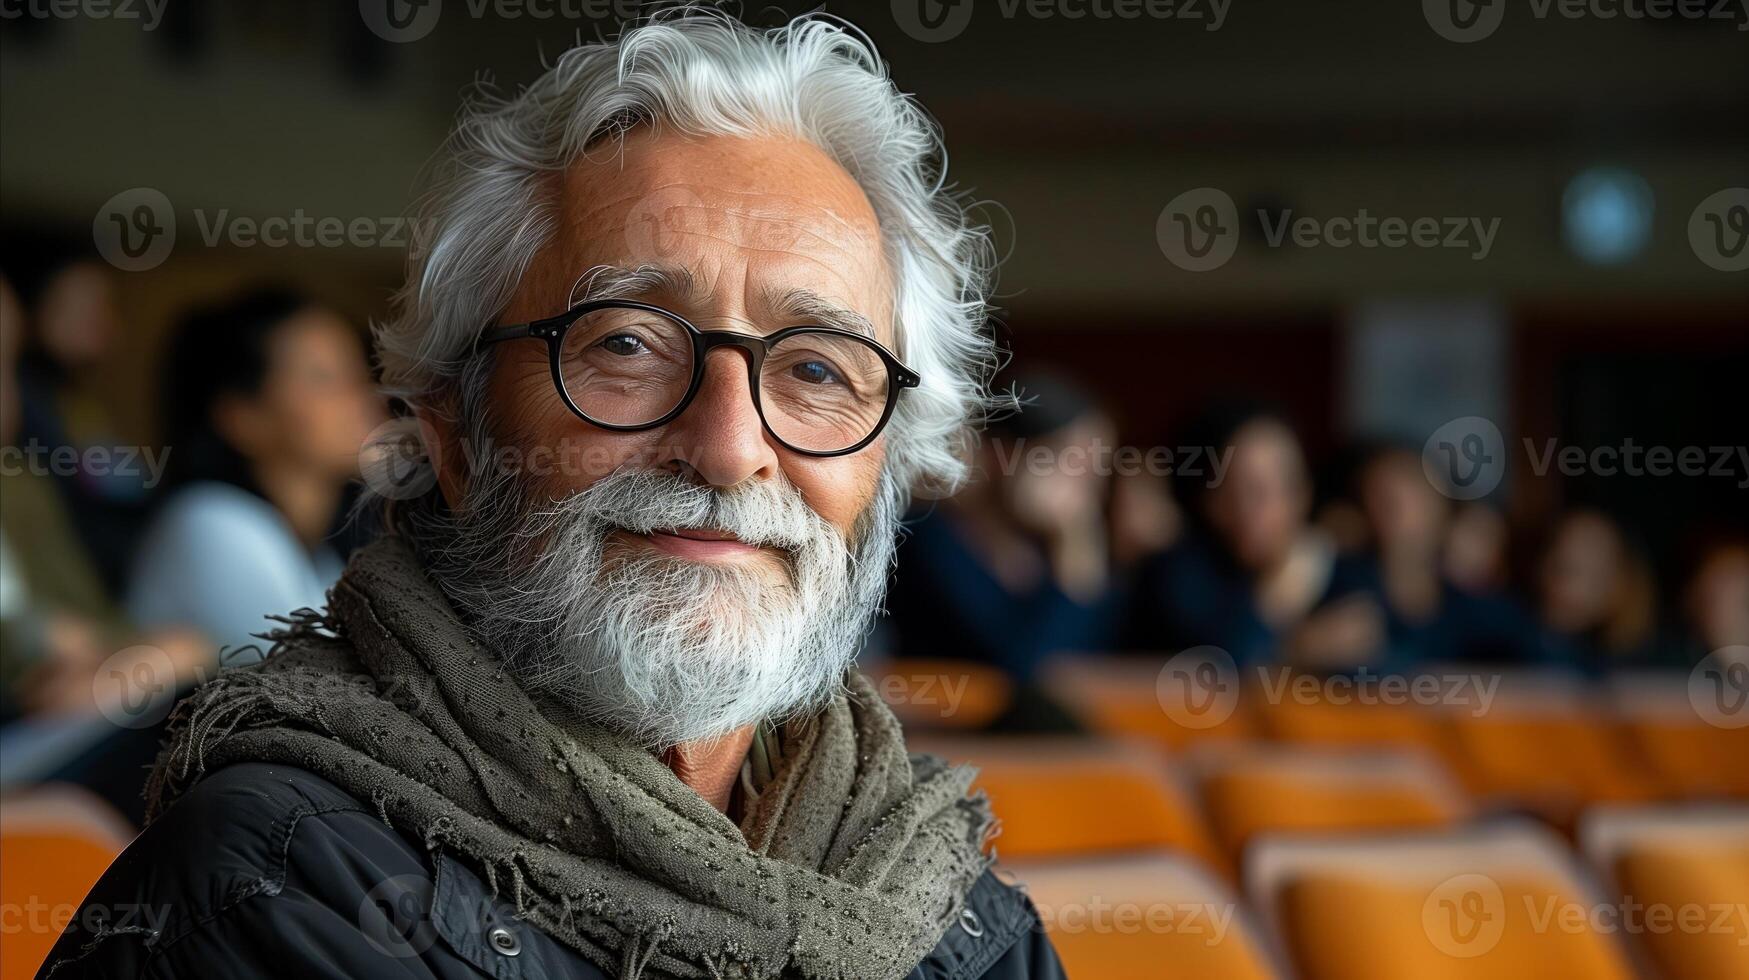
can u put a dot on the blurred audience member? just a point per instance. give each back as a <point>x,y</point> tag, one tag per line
<point>1597,598</point>
<point>1016,566</point>
<point>1427,619</point>
<point>1145,519</point>
<point>73,316</point>
<point>267,400</point>
<point>1476,549</point>
<point>56,622</point>
<point>69,663</point>
<point>1717,600</point>
<point>1250,569</point>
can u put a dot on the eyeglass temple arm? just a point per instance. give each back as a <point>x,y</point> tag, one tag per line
<point>538,328</point>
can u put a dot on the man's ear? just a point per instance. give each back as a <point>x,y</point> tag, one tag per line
<point>438,430</point>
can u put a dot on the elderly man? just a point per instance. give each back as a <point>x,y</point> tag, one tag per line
<point>689,319</point>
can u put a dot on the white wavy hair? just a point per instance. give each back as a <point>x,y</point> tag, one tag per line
<point>492,202</point>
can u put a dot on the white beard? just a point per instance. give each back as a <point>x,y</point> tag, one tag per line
<point>661,648</point>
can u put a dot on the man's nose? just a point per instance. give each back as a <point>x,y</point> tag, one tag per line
<point>719,436</point>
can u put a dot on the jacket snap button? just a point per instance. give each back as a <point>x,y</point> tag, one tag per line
<point>504,941</point>
<point>970,923</point>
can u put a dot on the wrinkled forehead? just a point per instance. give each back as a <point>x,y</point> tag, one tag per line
<point>751,220</point>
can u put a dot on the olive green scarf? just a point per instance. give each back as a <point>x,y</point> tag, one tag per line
<point>852,860</point>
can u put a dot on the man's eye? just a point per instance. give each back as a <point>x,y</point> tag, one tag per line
<point>816,372</point>
<point>623,344</point>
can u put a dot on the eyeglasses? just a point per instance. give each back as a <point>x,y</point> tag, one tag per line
<point>629,366</point>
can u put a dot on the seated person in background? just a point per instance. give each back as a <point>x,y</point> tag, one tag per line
<point>1145,519</point>
<point>1015,567</point>
<point>1427,620</point>
<point>1716,602</point>
<point>67,658</point>
<point>1597,602</point>
<point>72,318</point>
<point>1477,549</point>
<point>268,400</point>
<point>1250,571</point>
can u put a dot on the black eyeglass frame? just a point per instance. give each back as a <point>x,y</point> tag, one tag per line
<point>553,330</point>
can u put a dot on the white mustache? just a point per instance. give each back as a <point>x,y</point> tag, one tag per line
<point>770,513</point>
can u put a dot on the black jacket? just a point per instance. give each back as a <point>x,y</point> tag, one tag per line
<point>270,871</point>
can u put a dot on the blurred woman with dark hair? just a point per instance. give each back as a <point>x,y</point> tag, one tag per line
<point>267,401</point>
<point>1598,601</point>
<point>1251,571</point>
<point>1428,618</point>
<point>1716,600</point>
<point>68,301</point>
<point>1016,566</point>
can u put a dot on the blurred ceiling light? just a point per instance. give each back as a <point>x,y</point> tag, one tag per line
<point>1606,215</point>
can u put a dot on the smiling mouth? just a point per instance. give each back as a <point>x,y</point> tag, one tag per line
<point>698,544</point>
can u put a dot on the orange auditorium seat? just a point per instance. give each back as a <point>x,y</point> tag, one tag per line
<point>1060,796</point>
<point>1260,787</point>
<point>1689,755</point>
<point>1146,915</point>
<point>55,842</point>
<point>1545,741</point>
<point>1499,902</point>
<point>1686,871</point>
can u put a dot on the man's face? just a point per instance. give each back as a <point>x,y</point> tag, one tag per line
<point>684,581</point>
<point>749,221</point>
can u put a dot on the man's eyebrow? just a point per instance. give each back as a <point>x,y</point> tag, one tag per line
<point>792,306</point>
<point>816,310</point>
<point>618,282</point>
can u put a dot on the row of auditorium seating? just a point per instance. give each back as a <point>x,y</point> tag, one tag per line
<point>1545,741</point>
<point>1361,840</point>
